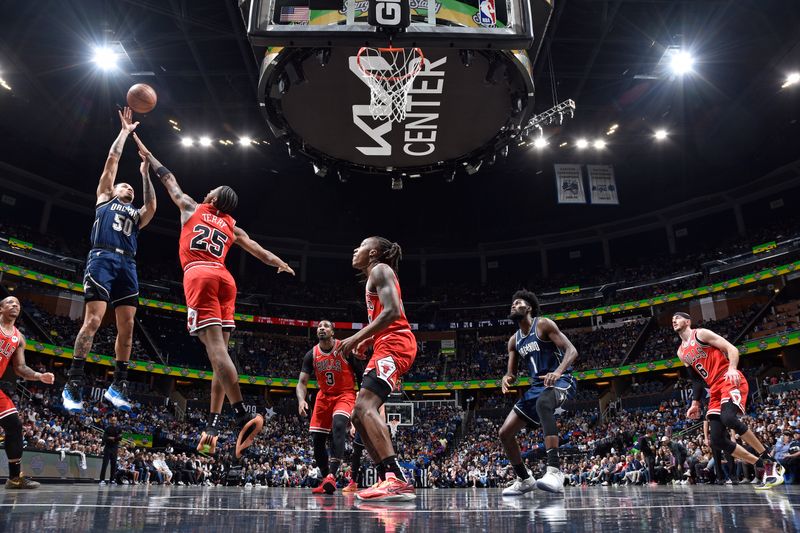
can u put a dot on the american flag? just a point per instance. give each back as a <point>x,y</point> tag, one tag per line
<point>294,14</point>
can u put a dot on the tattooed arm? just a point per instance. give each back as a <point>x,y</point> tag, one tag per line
<point>105,189</point>
<point>148,210</point>
<point>184,202</point>
<point>24,371</point>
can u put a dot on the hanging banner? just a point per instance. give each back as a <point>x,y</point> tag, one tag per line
<point>765,247</point>
<point>569,184</point>
<point>602,184</point>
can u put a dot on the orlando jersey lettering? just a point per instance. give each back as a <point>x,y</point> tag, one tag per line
<point>116,225</point>
<point>541,356</point>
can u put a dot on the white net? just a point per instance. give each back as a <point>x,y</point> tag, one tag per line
<point>389,73</point>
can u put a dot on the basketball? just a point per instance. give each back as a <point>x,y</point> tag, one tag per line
<point>142,98</point>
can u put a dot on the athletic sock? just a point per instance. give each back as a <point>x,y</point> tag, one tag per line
<point>213,420</point>
<point>14,469</point>
<point>75,371</point>
<point>381,471</point>
<point>552,458</point>
<point>390,464</point>
<point>120,371</point>
<point>521,471</point>
<point>355,462</point>
<point>241,412</point>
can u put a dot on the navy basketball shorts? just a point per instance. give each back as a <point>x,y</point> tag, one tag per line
<point>565,389</point>
<point>110,277</point>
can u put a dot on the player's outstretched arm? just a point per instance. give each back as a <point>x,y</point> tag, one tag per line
<point>511,370</point>
<point>148,210</point>
<point>184,202</point>
<point>259,252</point>
<point>105,189</point>
<point>24,371</point>
<point>550,331</point>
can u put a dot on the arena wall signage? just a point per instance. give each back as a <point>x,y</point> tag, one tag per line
<point>750,347</point>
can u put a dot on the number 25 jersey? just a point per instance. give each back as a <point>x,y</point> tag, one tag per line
<point>206,237</point>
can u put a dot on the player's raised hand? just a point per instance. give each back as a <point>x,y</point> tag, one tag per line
<point>347,346</point>
<point>285,268</point>
<point>302,409</point>
<point>47,377</point>
<point>732,376</point>
<point>506,382</point>
<point>693,412</point>
<point>126,118</point>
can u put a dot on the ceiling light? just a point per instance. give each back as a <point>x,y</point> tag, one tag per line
<point>245,141</point>
<point>565,143</point>
<point>187,141</point>
<point>599,144</point>
<point>205,142</point>
<point>660,135</point>
<point>791,79</point>
<point>582,143</point>
<point>540,142</point>
<point>681,63</point>
<point>322,170</point>
<point>105,58</point>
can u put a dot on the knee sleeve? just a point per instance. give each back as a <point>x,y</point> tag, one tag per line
<point>729,417</point>
<point>320,441</point>
<point>338,435</point>
<point>12,425</point>
<point>545,407</point>
<point>719,437</point>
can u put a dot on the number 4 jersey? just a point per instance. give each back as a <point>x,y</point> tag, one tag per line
<point>209,288</point>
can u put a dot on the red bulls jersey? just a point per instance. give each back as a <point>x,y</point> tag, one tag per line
<point>374,308</point>
<point>206,237</point>
<point>710,362</point>
<point>334,373</point>
<point>9,342</point>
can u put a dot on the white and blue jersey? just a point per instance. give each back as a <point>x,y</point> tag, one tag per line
<point>541,357</point>
<point>110,274</point>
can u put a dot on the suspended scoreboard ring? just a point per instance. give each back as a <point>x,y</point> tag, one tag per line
<point>465,69</point>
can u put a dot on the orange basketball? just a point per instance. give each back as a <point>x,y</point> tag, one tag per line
<point>142,98</point>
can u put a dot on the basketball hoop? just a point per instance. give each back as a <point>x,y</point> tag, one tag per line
<point>389,73</point>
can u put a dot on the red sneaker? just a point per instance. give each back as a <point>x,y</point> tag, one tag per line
<point>319,489</point>
<point>350,488</point>
<point>391,490</point>
<point>329,484</point>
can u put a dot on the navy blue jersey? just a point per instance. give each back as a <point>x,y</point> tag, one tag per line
<point>116,225</point>
<point>542,357</point>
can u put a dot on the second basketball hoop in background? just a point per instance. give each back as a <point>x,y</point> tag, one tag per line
<point>389,73</point>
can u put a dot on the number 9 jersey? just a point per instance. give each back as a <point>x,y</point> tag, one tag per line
<point>209,288</point>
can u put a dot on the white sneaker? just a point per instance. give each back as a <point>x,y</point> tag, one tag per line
<point>551,481</point>
<point>520,486</point>
<point>102,483</point>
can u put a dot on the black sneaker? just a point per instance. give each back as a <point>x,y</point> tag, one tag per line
<point>21,483</point>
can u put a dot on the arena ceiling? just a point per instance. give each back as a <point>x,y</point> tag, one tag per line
<point>729,121</point>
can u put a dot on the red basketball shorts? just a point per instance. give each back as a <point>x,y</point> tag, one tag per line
<point>723,392</point>
<point>326,407</point>
<point>393,356</point>
<point>7,407</point>
<point>210,297</point>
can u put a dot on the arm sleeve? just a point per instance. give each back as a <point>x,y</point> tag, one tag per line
<point>698,386</point>
<point>308,363</point>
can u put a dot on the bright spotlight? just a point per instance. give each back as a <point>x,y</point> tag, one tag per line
<point>791,79</point>
<point>582,143</point>
<point>682,63</point>
<point>599,144</point>
<point>187,141</point>
<point>660,135</point>
<point>540,142</point>
<point>205,142</point>
<point>245,141</point>
<point>105,58</point>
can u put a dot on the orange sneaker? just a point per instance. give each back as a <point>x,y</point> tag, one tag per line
<point>208,442</point>
<point>248,434</point>
<point>350,488</point>
<point>391,490</point>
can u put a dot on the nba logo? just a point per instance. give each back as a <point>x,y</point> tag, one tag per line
<point>487,13</point>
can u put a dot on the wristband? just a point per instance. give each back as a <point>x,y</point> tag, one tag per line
<point>162,171</point>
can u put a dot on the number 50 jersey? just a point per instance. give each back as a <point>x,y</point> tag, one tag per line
<point>206,237</point>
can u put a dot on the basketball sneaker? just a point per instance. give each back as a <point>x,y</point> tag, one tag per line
<point>392,489</point>
<point>772,480</point>
<point>117,394</point>
<point>520,486</point>
<point>71,396</point>
<point>551,481</point>
<point>208,441</point>
<point>319,489</point>
<point>251,426</point>
<point>21,483</point>
<point>350,488</point>
<point>329,484</point>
